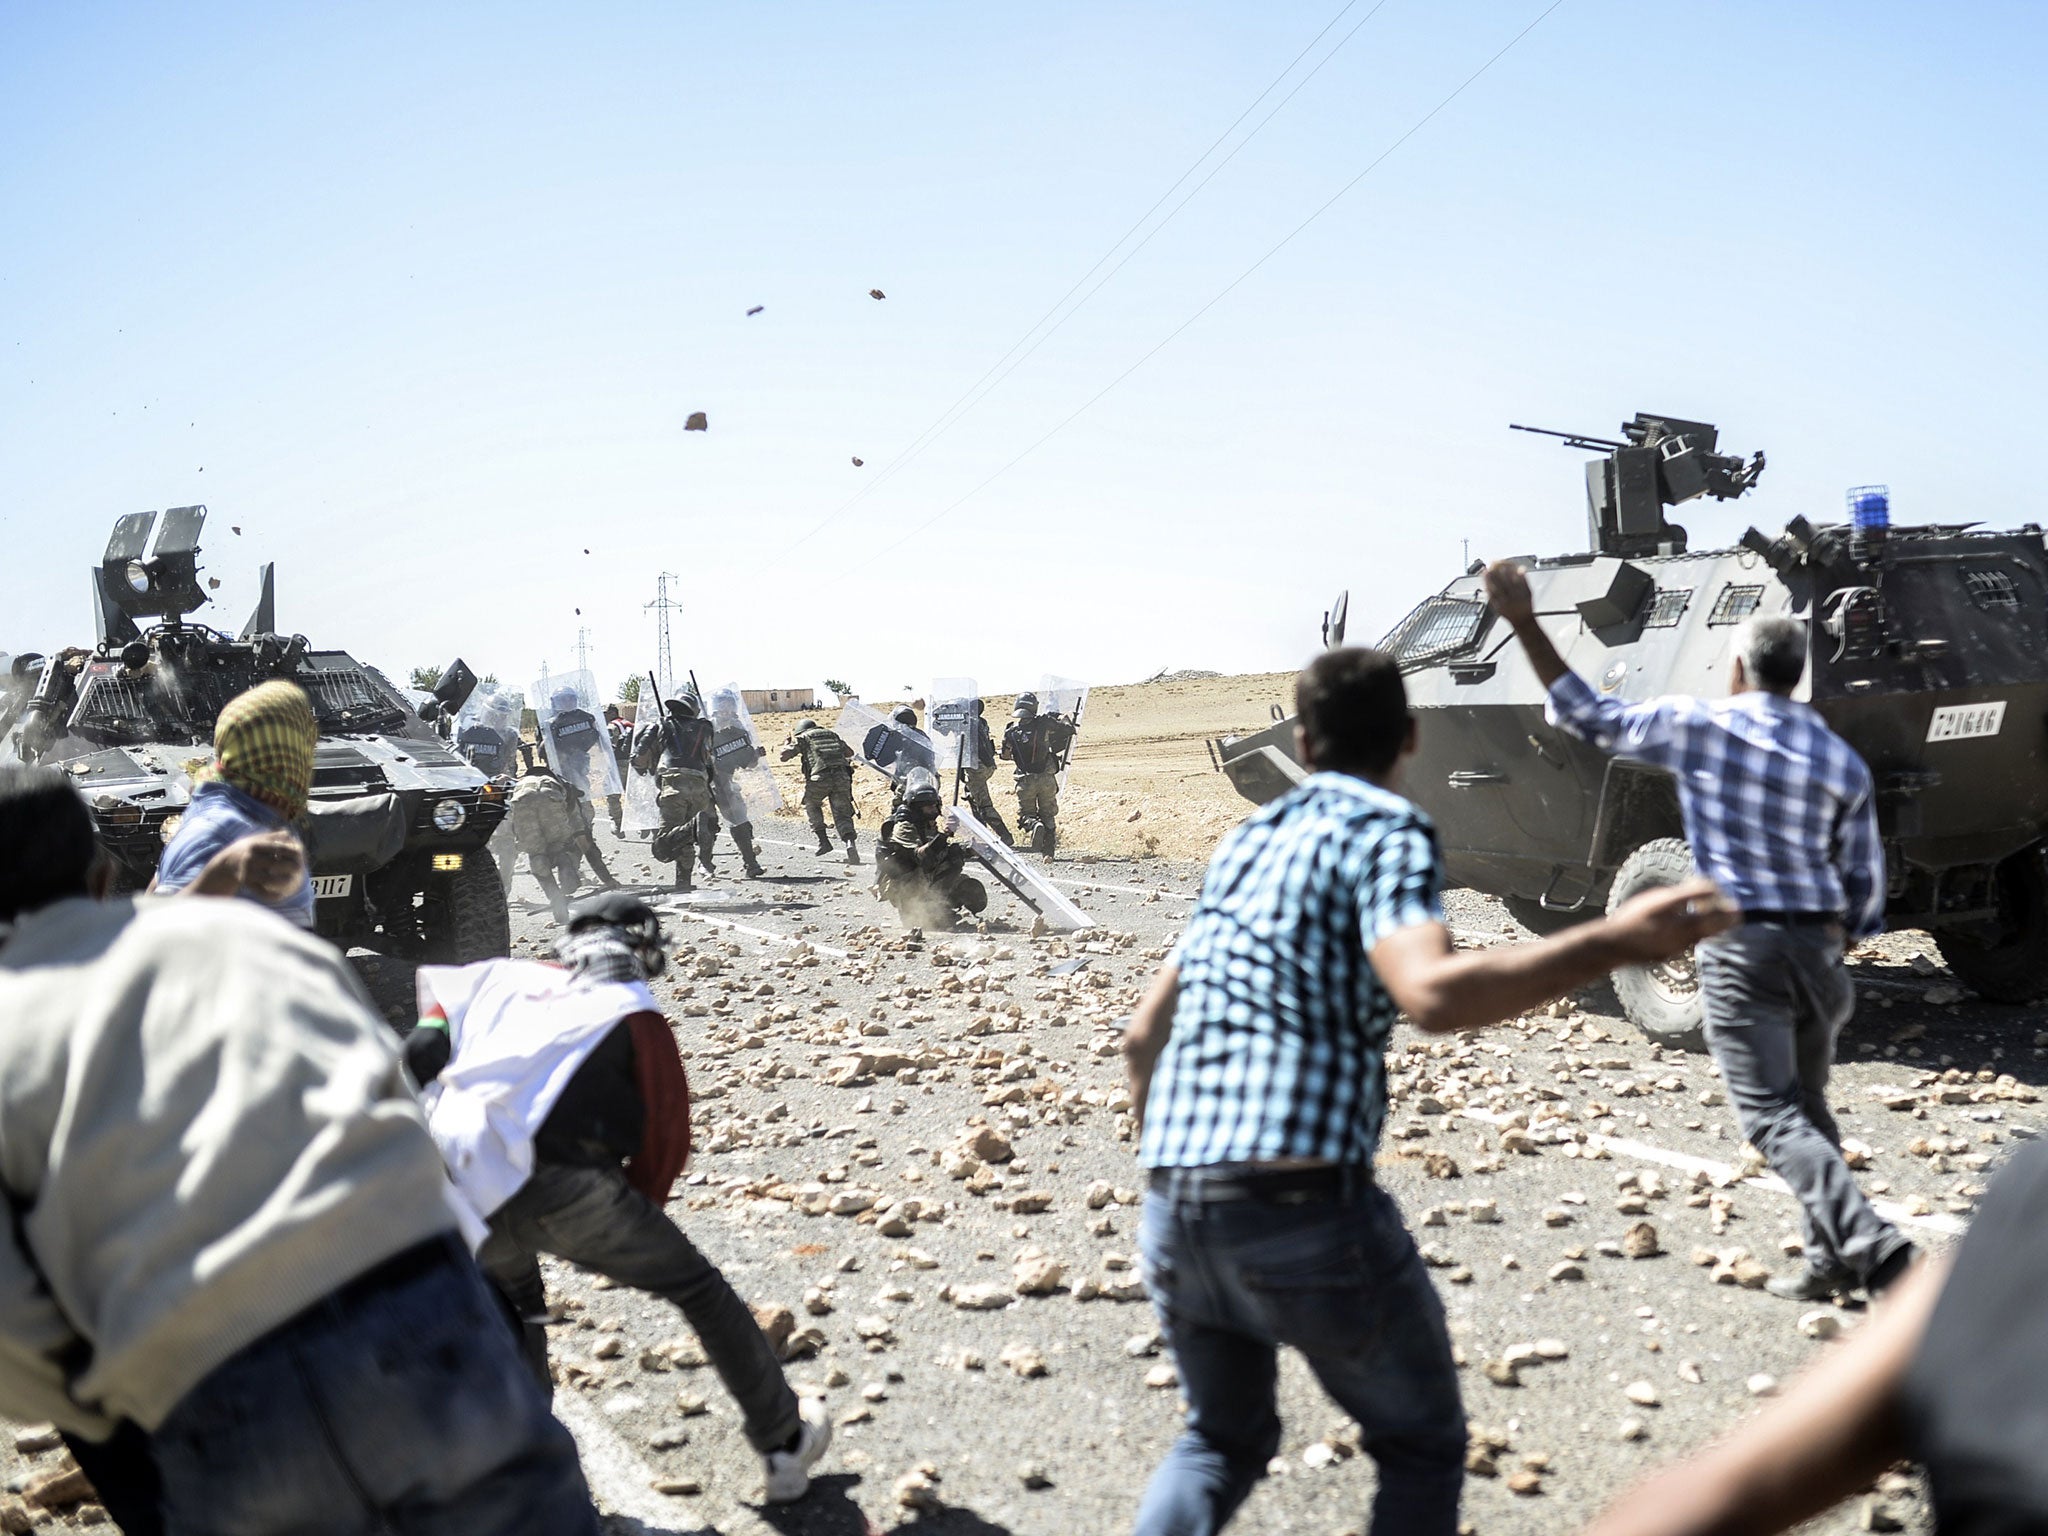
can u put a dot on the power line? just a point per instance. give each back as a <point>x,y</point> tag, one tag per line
<point>940,424</point>
<point>1223,293</point>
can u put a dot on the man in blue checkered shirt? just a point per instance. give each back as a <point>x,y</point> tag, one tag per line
<point>1257,1066</point>
<point>1780,813</point>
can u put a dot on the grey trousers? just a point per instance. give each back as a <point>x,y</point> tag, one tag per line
<point>1776,998</point>
<point>598,1222</point>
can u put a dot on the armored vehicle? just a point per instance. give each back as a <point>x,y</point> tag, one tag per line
<point>398,821</point>
<point>1928,653</point>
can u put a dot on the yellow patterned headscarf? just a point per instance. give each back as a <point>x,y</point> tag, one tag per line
<point>263,745</point>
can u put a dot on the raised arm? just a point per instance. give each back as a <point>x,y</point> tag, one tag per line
<point>1443,989</point>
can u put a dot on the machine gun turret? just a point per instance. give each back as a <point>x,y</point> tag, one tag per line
<point>1662,461</point>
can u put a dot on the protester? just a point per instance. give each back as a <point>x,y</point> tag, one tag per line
<point>232,1230</point>
<point>1257,1064</point>
<point>261,774</point>
<point>1780,813</point>
<point>1951,1372</point>
<point>540,1083</point>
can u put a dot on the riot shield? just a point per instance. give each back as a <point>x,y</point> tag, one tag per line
<point>567,706</point>
<point>1064,697</point>
<point>890,749</point>
<point>1017,877</point>
<point>487,730</point>
<point>740,766</point>
<point>950,715</point>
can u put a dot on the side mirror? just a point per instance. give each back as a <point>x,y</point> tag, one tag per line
<point>1333,621</point>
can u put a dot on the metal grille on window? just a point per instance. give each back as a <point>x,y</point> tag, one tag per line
<point>341,693</point>
<point>1666,606</point>
<point>1439,626</point>
<point>1736,604</point>
<point>1992,591</point>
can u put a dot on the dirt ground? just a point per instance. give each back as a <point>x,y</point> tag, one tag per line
<point>1142,786</point>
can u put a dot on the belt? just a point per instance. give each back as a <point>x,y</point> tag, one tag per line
<point>406,1264</point>
<point>1272,1186</point>
<point>1777,919</point>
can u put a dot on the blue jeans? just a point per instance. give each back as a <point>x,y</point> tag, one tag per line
<point>1340,1281</point>
<point>398,1404</point>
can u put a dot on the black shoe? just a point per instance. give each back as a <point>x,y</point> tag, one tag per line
<point>1811,1284</point>
<point>1890,1269</point>
<point>824,845</point>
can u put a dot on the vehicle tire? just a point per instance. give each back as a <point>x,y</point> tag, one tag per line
<point>2011,965</point>
<point>1663,1001</point>
<point>471,922</point>
<point>1541,920</point>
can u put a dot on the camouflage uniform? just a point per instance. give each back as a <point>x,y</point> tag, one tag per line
<point>677,750</point>
<point>828,778</point>
<point>551,821</point>
<point>974,784</point>
<point>919,867</point>
<point>1035,742</point>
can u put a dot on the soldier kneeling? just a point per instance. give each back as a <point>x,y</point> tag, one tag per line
<point>918,865</point>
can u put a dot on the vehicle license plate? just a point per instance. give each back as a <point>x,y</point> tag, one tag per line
<point>1955,722</point>
<point>332,885</point>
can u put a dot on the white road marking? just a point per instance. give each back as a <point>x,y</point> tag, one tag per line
<point>1647,1152</point>
<point>1128,890</point>
<point>618,1478</point>
<point>763,934</point>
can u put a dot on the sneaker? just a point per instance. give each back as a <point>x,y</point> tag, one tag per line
<point>789,1472</point>
<point>1811,1284</point>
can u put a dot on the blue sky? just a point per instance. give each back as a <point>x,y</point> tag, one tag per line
<point>420,297</point>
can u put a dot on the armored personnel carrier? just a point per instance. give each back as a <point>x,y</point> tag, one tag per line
<point>1928,653</point>
<point>398,821</point>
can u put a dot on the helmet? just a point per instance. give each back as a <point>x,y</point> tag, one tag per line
<point>808,725</point>
<point>725,703</point>
<point>906,716</point>
<point>683,706</point>
<point>979,707</point>
<point>564,698</point>
<point>920,787</point>
<point>1027,704</point>
<point>630,918</point>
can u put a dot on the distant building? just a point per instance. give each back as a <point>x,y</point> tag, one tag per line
<point>770,701</point>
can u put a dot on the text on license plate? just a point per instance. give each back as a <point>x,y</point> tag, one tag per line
<point>332,885</point>
<point>1954,722</point>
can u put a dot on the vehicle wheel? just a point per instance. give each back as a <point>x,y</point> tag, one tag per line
<point>1540,920</point>
<point>470,921</point>
<point>1663,1001</point>
<point>2010,964</point>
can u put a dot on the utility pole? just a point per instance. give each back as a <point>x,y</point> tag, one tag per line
<point>664,657</point>
<point>1467,563</point>
<point>582,648</point>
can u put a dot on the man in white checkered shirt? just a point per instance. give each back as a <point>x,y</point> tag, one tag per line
<point>1257,1065</point>
<point>1779,813</point>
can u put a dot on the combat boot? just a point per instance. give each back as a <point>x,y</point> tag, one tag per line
<point>824,843</point>
<point>743,835</point>
<point>684,868</point>
<point>852,851</point>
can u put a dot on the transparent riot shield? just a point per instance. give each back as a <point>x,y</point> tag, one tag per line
<point>1017,877</point>
<point>487,730</point>
<point>742,780</point>
<point>1068,699</point>
<point>567,706</point>
<point>643,809</point>
<point>950,715</point>
<point>890,749</point>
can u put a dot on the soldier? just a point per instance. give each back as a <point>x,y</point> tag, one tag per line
<point>828,776</point>
<point>981,749</point>
<point>676,749</point>
<point>918,865</point>
<point>575,733</point>
<point>1037,744</point>
<point>732,750</point>
<point>490,748</point>
<point>621,735</point>
<point>551,821</point>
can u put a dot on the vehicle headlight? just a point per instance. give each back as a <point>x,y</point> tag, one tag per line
<point>449,815</point>
<point>171,824</point>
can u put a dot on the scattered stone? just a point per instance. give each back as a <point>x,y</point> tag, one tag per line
<point>1640,1241</point>
<point>1567,1270</point>
<point>1032,1475</point>
<point>1632,1429</point>
<point>1024,1360</point>
<point>1763,1384</point>
<point>1038,1274</point>
<point>918,1489</point>
<point>38,1439</point>
<point>1641,1393</point>
<point>1162,1376</point>
<point>1821,1325</point>
<point>1526,1483</point>
<point>678,1487</point>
